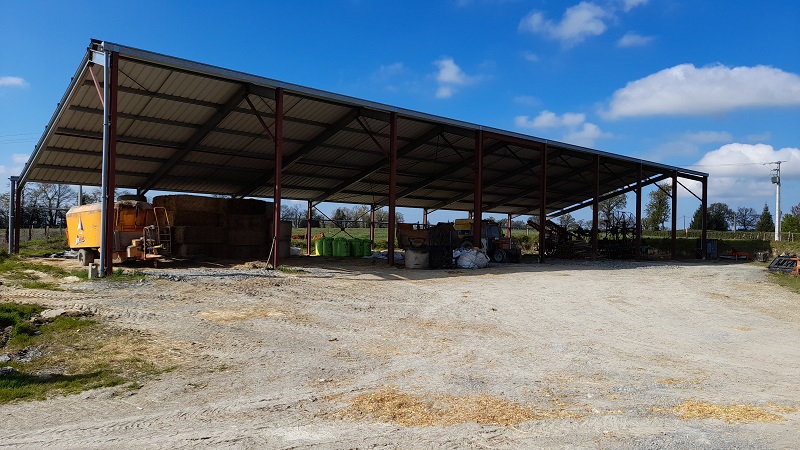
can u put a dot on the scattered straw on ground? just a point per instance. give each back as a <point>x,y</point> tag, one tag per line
<point>691,409</point>
<point>235,315</point>
<point>391,405</point>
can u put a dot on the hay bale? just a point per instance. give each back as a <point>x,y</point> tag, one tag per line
<point>246,237</point>
<point>243,206</point>
<point>195,203</point>
<point>247,251</point>
<point>199,235</point>
<point>194,219</point>
<point>247,221</point>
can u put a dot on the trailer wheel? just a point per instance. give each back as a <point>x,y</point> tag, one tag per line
<point>499,255</point>
<point>83,257</point>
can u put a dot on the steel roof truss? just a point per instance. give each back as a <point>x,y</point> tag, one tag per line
<point>207,128</point>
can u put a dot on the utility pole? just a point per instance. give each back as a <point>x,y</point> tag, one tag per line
<point>776,180</point>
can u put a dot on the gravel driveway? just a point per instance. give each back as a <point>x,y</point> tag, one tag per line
<point>354,354</point>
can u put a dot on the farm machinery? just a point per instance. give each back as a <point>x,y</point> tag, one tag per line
<point>445,237</point>
<point>140,231</point>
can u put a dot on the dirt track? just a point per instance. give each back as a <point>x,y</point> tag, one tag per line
<point>358,355</point>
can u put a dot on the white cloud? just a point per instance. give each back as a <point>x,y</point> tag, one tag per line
<point>630,4</point>
<point>450,76</point>
<point>688,90</point>
<point>576,130</point>
<point>527,100</point>
<point>20,158</point>
<point>549,119</point>
<point>586,136</point>
<point>632,39</point>
<point>705,137</point>
<point>759,138</point>
<point>737,172</point>
<point>530,56</point>
<point>12,82</point>
<point>391,69</point>
<point>579,22</point>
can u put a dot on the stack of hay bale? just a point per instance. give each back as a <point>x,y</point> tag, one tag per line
<point>219,227</point>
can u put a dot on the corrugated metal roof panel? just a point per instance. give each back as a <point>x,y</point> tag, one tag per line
<point>186,127</point>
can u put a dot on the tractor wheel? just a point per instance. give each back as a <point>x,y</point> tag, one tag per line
<point>500,256</point>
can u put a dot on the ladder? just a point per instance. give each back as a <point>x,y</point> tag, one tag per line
<point>164,230</point>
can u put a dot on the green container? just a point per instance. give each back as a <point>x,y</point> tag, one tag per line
<point>318,244</point>
<point>341,247</point>
<point>366,247</point>
<point>356,247</point>
<point>327,246</point>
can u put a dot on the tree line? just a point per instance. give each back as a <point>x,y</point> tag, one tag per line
<point>46,204</point>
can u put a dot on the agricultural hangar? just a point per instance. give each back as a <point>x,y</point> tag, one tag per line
<point>141,120</point>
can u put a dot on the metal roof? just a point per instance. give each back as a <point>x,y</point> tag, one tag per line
<point>189,127</point>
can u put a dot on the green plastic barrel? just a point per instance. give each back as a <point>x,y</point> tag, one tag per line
<point>318,244</point>
<point>356,247</point>
<point>341,247</point>
<point>366,249</point>
<point>327,246</point>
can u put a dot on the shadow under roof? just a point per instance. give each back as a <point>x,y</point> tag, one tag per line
<point>189,127</point>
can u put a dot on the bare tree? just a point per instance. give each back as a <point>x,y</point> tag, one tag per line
<point>746,218</point>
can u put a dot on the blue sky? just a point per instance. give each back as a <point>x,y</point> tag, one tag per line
<point>712,85</point>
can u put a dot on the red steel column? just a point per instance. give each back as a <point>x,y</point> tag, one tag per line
<point>674,235</point>
<point>425,216</point>
<point>392,184</point>
<point>638,242</point>
<point>372,223</point>
<point>477,206</point>
<point>508,224</point>
<point>112,162</point>
<point>704,231</point>
<point>276,200</point>
<point>596,210</point>
<point>542,203</point>
<point>18,221</point>
<point>308,229</point>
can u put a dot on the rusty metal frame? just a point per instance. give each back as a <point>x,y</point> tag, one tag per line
<point>477,208</point>
<point>392,185</point>
<point>276,199</point>
<point>542,203</point>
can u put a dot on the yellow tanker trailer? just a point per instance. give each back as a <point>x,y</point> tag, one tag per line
<point>140,230</point>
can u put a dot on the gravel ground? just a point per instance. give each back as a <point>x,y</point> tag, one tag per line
<point>354,354</point>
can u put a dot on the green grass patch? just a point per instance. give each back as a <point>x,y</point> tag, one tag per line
<point>786,280</point>
<point>43,247</point>
<point>72,354</point>
<point>46,285</point>
<point>19,267</point>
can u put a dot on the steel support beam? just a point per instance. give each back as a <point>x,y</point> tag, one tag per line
<point>596,210</point>
<point>408,148</point>
<point>198,136</point>
<point>638,242</point>
<point>542,203</point>
<point>318,140</point>
<point>477,195</point>
<point>674,234</point>
<point>110,84</point>
<point>372,223</point>
<point>18,222</point>
<point>704,212</point>
<point>276,199</point>
<point>308,228</point>
<point>392,184</point>
<point>508,223</point>
<point>12,213</point>
<point>425,216</point>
